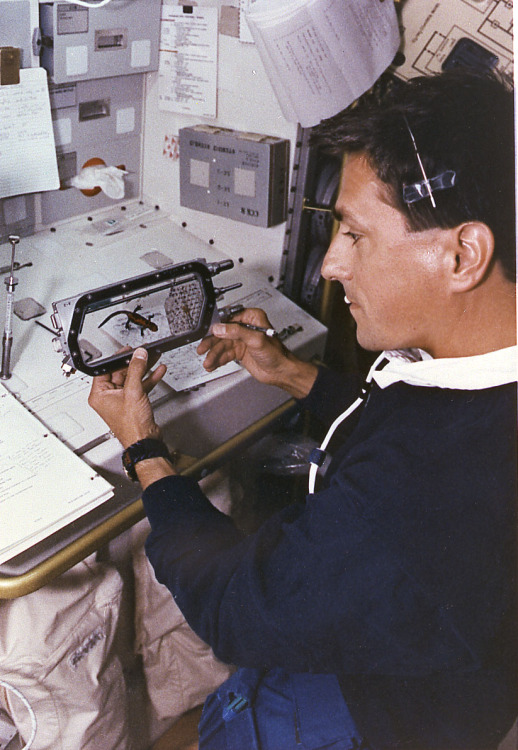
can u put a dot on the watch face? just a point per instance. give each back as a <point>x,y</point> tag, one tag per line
<point>140,451</point>
<point>128,465</point>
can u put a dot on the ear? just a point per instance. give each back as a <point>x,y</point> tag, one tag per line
<point>473,250</point>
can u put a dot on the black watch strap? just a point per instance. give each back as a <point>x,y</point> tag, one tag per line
<point>140,451</point>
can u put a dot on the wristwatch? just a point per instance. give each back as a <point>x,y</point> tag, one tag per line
<point>140,451</point>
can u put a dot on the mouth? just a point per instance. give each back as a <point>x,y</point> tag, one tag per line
<point>352,304</point>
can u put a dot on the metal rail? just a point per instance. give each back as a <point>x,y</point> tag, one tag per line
<point>12,587</point>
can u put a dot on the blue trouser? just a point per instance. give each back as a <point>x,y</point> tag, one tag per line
<point>256,710</point>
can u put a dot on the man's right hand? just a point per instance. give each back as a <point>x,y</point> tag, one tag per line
<point>265,358</point>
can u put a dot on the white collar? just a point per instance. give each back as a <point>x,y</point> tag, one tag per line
<point>416,367</point>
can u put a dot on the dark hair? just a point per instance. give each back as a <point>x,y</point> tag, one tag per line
<point>461,121</point>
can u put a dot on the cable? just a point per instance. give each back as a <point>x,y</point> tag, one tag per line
<point>313,469</point>
<point>29,708</point>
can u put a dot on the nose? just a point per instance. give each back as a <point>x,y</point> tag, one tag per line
<point>336,265</point>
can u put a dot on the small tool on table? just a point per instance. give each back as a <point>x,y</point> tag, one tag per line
<point>7,339</point>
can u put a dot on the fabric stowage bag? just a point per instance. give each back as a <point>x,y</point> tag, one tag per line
<point>57,650</point>
<point>179,669</point>
<point>278,711</point>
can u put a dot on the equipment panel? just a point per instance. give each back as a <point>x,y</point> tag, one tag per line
<point>242,176</point>
<point>80,43</point>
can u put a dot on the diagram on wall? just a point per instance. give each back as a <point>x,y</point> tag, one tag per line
<point>439,35</point>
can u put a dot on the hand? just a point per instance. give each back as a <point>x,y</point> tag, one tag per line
<point>265,358</point>
<point>121,399</point>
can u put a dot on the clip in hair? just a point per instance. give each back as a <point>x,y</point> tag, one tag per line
<point>425,188</point>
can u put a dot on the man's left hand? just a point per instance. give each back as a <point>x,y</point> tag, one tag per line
<point>121,399</point>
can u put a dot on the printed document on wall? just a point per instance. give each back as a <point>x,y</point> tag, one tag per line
<point>28,162</point>
<point>321,55</point>
<point>188,62</point>
<point>43,485</point>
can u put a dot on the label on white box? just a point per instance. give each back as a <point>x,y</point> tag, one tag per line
<point>140,53</point>
<point>77,60</point>
<point>125,120</point>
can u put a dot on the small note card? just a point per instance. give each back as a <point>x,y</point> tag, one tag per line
<point>28,162</point>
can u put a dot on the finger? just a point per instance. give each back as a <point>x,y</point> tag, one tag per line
<point>223,359</point>
<point>153,378</point>
<point>100,384</point>
<point>253,315</point>
<point>222,352</point>
<point>136,370</point>
<point>152,359</point>
<point>205,344</point>
<point>98,381</point>
<point>229,331</point>
<point>239,335</point>
<point>118,377</point>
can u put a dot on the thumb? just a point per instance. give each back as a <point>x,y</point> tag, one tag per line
<point>136,369</point>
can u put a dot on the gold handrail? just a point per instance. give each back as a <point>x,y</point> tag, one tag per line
<point>12,587</point>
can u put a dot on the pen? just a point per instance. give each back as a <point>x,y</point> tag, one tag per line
<point>267,331</point>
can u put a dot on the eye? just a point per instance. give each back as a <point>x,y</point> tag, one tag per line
<point>353,236</point>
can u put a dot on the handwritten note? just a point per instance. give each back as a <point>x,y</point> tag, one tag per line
<point>43,485</point>
<point>28,161</point>
<point>185,368</point>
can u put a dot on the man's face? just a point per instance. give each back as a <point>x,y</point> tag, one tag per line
<point>393,279</point>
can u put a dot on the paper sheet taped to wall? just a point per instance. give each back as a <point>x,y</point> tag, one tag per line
<point>28,162</point>
<point>43,485</point>
<point>188,60</point>
<point>320,55</point>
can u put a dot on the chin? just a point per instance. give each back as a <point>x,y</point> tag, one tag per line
<point>372,344</point>
<point>373,340</point>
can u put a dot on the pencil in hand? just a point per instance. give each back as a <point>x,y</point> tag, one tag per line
<point>267,331</point>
